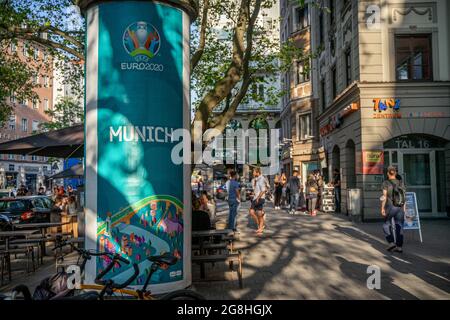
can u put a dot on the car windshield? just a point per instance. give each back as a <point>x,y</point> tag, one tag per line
<point>12,205</point>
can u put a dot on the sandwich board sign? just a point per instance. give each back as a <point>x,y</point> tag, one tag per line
<point>412,217</point>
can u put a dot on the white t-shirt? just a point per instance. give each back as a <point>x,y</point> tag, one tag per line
<point>259,185</point>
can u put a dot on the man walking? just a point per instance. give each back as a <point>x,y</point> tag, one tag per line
<point>294,186</point>
<point>234,199</point>
<point>393,210</point>
<point>257,206</point>
<point>337,189</point>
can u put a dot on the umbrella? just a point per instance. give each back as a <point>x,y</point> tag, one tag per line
<point>63,143</point>
<point>73,172</point>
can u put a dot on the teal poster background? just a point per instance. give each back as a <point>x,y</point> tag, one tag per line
<point>140,102</point>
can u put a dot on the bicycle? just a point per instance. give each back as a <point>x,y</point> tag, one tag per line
<point>101,288</point>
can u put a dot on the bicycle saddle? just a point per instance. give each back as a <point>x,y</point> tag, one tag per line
<point>166,258</point>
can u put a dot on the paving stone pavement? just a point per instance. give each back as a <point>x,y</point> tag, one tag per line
<point>322,257</point>
<point>326,257</point>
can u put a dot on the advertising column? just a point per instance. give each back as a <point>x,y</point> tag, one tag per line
<point>137,94</point>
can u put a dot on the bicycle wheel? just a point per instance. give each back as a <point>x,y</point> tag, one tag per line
<point>183,295</point>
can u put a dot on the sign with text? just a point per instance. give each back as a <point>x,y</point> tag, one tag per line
<point>412,218</point>
<point>137,198</point>
<point>373,162</point>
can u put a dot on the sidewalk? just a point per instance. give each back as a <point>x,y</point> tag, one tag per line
<point>326,257</point>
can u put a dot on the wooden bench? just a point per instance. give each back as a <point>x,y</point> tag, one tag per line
<point>229,257</point>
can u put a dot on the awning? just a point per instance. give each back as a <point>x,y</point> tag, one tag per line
<point>63,143</point>
<point>73,172</point>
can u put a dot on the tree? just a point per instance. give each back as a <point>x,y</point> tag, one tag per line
<point>222,71</point>
<point>67,112</point>
<point>49,25</point>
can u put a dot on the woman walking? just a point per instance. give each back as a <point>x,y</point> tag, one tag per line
<point>284,191</point>
<point>278,191</point>
<point>312,191</point>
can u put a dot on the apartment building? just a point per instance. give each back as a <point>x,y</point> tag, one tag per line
<point>25,120</point>
<point>301,145</point>
<point>383,92</point>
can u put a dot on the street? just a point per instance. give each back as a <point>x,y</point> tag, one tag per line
<point>326,257</point>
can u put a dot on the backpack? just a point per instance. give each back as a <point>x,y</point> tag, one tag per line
<point>398,195</point>
<point>52,287</point>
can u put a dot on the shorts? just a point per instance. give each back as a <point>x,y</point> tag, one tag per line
<point>258,206</point>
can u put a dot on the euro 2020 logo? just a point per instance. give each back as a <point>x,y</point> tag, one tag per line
<point>141,41</point>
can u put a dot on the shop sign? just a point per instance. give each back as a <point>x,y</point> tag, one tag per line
<point>386,109</point>
<point>373,162</point>
<point>336,121</point>
<point>412,218</point>
<point>414,142</point>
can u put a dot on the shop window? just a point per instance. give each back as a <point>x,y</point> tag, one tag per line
<point>413,57</point>
<point>304,126</point>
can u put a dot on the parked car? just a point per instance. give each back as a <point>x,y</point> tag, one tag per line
<point>27,209</point>
<point>5,223</point>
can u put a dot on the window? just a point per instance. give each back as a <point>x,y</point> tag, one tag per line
<point>12,123</point>
<point>304,126</point>
<point>301,18</point>
<point>334,79</point>
<point>34,158</point>
<point>35,79</point>
<point>24,125</point>
<point>23,157</point>
<point>10,157</point>
<point>45,104</point>
<point>413,57</point>
<point>13,47</point>
<point>25,49</point>
<point>12,97</point>
<point>348,66</point>
<point>261,91</point>
<point>35,104</point>
<point>36,53</point>
<point>321,29</point>
<point>331,8</point>
<point>323,94</point>
<point>46,81</point>
<point>35,125</point>
<point>11,167</point>
<point>302,75</point>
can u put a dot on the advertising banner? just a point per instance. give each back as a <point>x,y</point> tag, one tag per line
<point>373,162</point>
<point>412,218</point>
<point>137,80</point>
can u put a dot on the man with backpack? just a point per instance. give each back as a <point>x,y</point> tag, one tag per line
<point>393,210</point>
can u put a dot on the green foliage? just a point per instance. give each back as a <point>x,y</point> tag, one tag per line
<point>67,112</point>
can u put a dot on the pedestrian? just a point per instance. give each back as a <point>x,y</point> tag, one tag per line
<point>294,185</point>
<point>278,191</point>
<point>320,184</point>
<point>284,197</point>
<point>257,206</point>
<point>336,182</point>
<point>312,191</point>
<point>70,190</point>
<point>234,199</point>
<point>393,210</point>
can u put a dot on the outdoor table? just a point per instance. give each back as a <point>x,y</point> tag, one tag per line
<point>15,233</point>
<point>42,226</point>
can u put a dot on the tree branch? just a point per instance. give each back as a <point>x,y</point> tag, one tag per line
<point>201,47</point>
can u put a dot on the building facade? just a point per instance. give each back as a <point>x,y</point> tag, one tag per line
<point>383,94</point>
<point>25,120</point>
<point>301,145</point>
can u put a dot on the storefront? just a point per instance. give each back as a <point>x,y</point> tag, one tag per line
<point>404,125</point>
